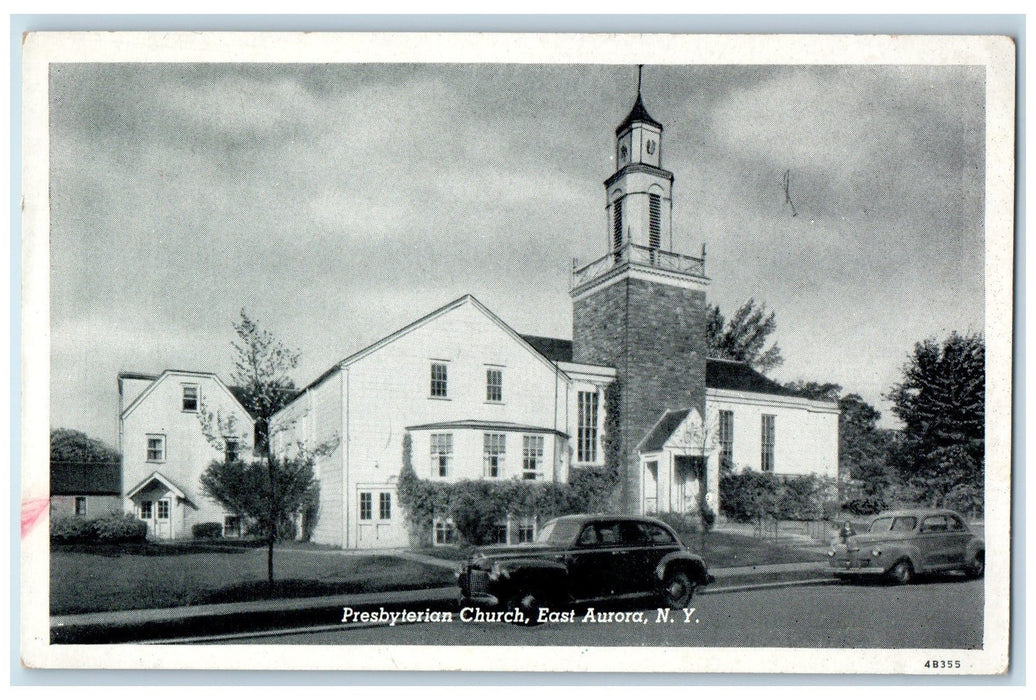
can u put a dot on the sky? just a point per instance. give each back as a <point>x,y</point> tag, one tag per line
<point>337,203</point>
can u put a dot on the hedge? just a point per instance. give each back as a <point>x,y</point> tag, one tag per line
<point>749,496</point>
<point>111,529</point>
<point>207,531</point>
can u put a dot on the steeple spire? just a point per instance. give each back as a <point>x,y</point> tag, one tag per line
<point>640,68</point>
<point>638,113</point>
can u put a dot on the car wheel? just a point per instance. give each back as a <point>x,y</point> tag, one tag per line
<point>677,590</point>
<point>902,572</point>
<point>977,566</point>
<point>529,603</point>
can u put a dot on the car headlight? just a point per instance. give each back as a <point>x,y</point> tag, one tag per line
<point>830,552</point>
<point>875,552</point>
<point>498,571</point>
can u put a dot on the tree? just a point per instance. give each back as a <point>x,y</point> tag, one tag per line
<point>863,449</point>
<point>73,446</point>
<point>269,490</point>
<point>262,367</point>
<point>941,401</point>
<point>826,391</point>
<point>744,336</point>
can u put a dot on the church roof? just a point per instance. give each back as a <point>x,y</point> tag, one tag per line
<point>554,349</point>
<point>637,114</point>
<point>662,431</point>
<point>738,376</point>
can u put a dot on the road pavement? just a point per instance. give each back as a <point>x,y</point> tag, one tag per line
<point>939,612</point>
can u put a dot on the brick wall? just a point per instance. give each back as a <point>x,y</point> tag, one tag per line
<point>654,335</point>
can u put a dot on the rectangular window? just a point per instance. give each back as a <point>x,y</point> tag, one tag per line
<point>145,510</point>
<point>525,531</point>
<point>190,398</point>
<point>80,505</point>
<point>385,506</point>
<point>654,221</point>
<point>445,532</point>
<point>230,451</point>
<point>769,440</point>
<point>163,510</point>
<point>442,453</point>
<point>617,224</point>
<point>232,526</point>
<point>493,453</point>
<point>726,438</point>
<point>438,389</point>
<point>366,506</point>
<point>156,448</point>
<point>586,440</point>
<point>532,456</point>
<point>494,385</point>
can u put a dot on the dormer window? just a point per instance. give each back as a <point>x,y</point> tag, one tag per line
<point>190,398</point>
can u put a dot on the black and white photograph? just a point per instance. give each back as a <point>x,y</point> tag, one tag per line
<point>518,352</point>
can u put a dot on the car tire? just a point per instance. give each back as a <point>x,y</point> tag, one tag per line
<point>976,568</point>
<point>529,603</point>
<point>677,590</point>
<point>902,573</point>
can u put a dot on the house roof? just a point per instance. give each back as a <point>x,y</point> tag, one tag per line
<point>85,479</point>
<point>163,480</point>
<point>663,430</point>
<point>738,376</point>
<point>156,380</point>
<point>637,114</point>
<point>474,424</point>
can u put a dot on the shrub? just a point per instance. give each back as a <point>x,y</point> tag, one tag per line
<point>748,496</point>
<point>965,499</point>
<point>70,529</point>
<point>207,531</point>
<point>119,528</point>
<point>707,516</point>
<point>866,505</point>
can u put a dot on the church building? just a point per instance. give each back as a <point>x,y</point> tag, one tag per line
<point>480,400</point>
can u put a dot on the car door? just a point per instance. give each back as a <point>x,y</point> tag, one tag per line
<point>648,544</point>
<point>592,563</point>
<point>934,541</point>
<point>957,540</point>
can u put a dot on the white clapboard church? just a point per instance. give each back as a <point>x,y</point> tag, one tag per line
<point>480,400</point>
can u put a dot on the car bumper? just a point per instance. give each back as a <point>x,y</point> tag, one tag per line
<point>857,571</point>
<point>482,600</point>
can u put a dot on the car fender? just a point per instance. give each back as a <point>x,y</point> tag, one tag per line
<point>909,552</point>
<point>692,565</point>
<point>975,545</point>
<point>521,573</point>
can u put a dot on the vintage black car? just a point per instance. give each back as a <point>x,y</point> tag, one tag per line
<point>582,558</point>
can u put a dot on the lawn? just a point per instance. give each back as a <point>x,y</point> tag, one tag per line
<point>95,578</point>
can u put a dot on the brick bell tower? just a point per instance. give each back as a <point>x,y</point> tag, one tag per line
<point>641,306</point>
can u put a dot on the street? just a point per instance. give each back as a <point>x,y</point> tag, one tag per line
<point>939,612</point>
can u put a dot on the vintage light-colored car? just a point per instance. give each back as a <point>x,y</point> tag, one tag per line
<point>901,543</point>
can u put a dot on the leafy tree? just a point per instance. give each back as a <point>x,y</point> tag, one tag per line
<point>941,401</point>
<point>863,449</point>
<point>73,446</point>
<point>269,492</point>
<point>744,336</point>
<point>262,367</point>
<point>826,391</point>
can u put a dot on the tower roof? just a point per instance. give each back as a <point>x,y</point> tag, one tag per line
<point>637,114</point>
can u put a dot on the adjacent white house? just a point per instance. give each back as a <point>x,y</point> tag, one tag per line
<point>165,448</point>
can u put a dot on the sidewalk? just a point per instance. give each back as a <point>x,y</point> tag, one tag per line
<point>130,625</point>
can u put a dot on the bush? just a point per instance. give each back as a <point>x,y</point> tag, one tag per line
<point>112,529</point>
<point>70,529</point>
<point>684,526</point>
<point>207,531</point>
<point>965,499</point>
<point>120,528</point>
<point>866,505</point>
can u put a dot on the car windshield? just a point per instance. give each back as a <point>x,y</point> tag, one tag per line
<point>558,532</point>
<point>902,524</point>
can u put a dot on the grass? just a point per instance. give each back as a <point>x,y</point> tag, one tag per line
<point>87,578</point>
<point>726,549</point>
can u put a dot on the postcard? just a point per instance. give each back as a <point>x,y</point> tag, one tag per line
<point>517,352</point>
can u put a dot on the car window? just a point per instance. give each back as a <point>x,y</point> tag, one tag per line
<point>956,524</point>
<point>634,534</point>
<point>558,532</point>
<point>904,524</point>
<point>589,537</point>
<point>881,525</point>
<point>609,533</point>
<point>657,535</point>
<point>934,523</point>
